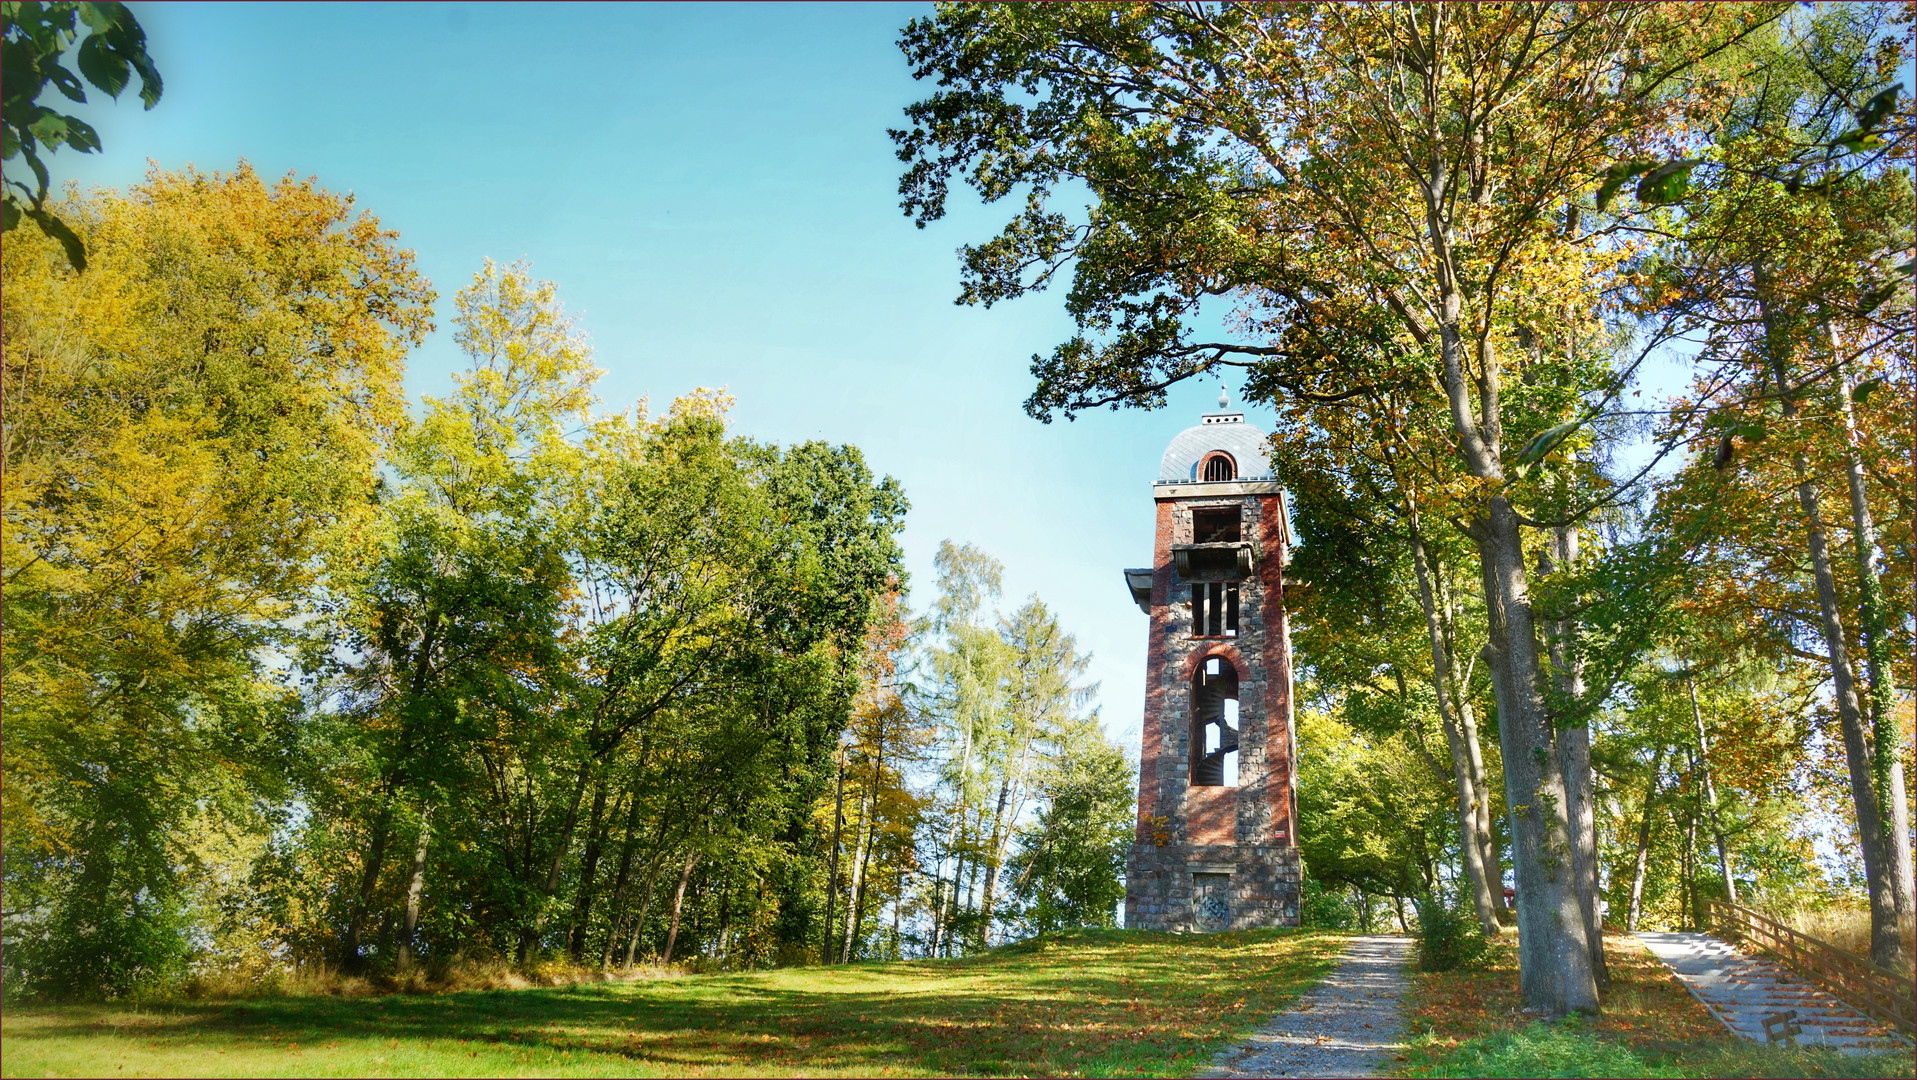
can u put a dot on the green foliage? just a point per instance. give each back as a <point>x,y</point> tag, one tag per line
<point>1379,812</point>
<point>548,656</point>
<point>595,642</point>
<point>38,36</point>
<point>1449,937</point>
<point>1012,718</point>
<point>1324,907</point>
<point>1070,861</point>
<point>189,432</point>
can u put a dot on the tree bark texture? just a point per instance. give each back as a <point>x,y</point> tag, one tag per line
<point>1888,749</point>
<point>1890,891</point>
<point>1886,941</point>
<point>678,905</point>
<point>1484,891</point>
<point>370,868</point>
<point>1639,865</point>
<point>409,930</point>
<point>1574,755</point>
<point>1554,954</point>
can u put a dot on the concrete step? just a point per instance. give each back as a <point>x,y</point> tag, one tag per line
<point>1742,990</point>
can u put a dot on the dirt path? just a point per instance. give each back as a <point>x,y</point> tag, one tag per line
<point>1348,1025</point>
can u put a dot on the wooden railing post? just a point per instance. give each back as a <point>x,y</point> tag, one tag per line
<point>1881,992</point>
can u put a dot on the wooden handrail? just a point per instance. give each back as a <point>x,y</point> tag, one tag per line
<point>1888,995</point>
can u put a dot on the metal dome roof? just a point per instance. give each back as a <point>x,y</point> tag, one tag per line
<point>1225,431</point>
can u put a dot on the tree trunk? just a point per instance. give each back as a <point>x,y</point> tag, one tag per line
<point>653,866</point>
<point>1890,892</point>
<point>588,874</point>
<point>1481,784</point>
<point>871,836</point>
<point>936,913</point>
<point>624,879</point>
<point>832,875</point>
<point>1692,915</point>
<point>974,940</point>
<point>993,853</point>
<point>1554,954</point>
<point>370,868</point>
<point>1470,795</point>
<point>949,918</point>
<point>855,893</point>
<point>530,931</point>
<point>898,904</point>
<point>1710,791</point>
<point>409,930</point>
<point>1887,761</point>
<point>1886,944</point>
<point>1460,694</point>
<point>1574,756</point>
<point>1643,846</point>
<point>678,904</point>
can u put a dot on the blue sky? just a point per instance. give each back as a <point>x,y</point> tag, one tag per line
<point>712,188</point>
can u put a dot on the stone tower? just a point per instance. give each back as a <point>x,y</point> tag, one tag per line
<point>1217,802</point>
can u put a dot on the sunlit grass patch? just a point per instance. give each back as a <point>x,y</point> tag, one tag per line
<point>1095,1003</point>
<point>1470,1023</point>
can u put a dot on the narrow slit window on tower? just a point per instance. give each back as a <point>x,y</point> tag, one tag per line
<point>1220,467</point>
<point>1214,609</point>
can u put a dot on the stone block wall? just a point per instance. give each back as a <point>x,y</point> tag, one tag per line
<point>1245,831</point>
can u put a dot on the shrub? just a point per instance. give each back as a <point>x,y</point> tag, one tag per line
<point>1448,936</point>
<point>1325,908</point>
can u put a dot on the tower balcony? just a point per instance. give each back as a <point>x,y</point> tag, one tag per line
<point>1213,562</point>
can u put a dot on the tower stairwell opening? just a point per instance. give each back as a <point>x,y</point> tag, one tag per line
<point>1214,732</point>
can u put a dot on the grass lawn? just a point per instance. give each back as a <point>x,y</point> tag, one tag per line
<point>1098,1003</point>
<point>1468,1023</point>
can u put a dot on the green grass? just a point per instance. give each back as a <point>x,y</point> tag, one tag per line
<point>1468,1023</point>
<point>1570,1048</point>
<point>1096,1003</point>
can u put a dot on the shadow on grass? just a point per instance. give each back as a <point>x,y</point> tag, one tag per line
<point>1102,1002</point>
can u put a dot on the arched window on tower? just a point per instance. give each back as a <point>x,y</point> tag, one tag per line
<point>1220,466</point>
<point>1214,724</point>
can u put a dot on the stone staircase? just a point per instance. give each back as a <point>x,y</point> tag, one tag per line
<point>1743,991</point>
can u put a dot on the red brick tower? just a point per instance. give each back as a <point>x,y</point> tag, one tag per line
<point>1217,801</point>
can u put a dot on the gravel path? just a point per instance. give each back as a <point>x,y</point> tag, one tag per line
<point>1344,1026</point>
<point>1741,990</point>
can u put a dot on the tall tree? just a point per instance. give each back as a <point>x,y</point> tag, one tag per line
<point>1068,868</point>
<point>1382,192</point>
<point>1786,275</point>
<point>189,429</point>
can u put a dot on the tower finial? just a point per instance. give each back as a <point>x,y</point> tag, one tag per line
<point>1224,397</point>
